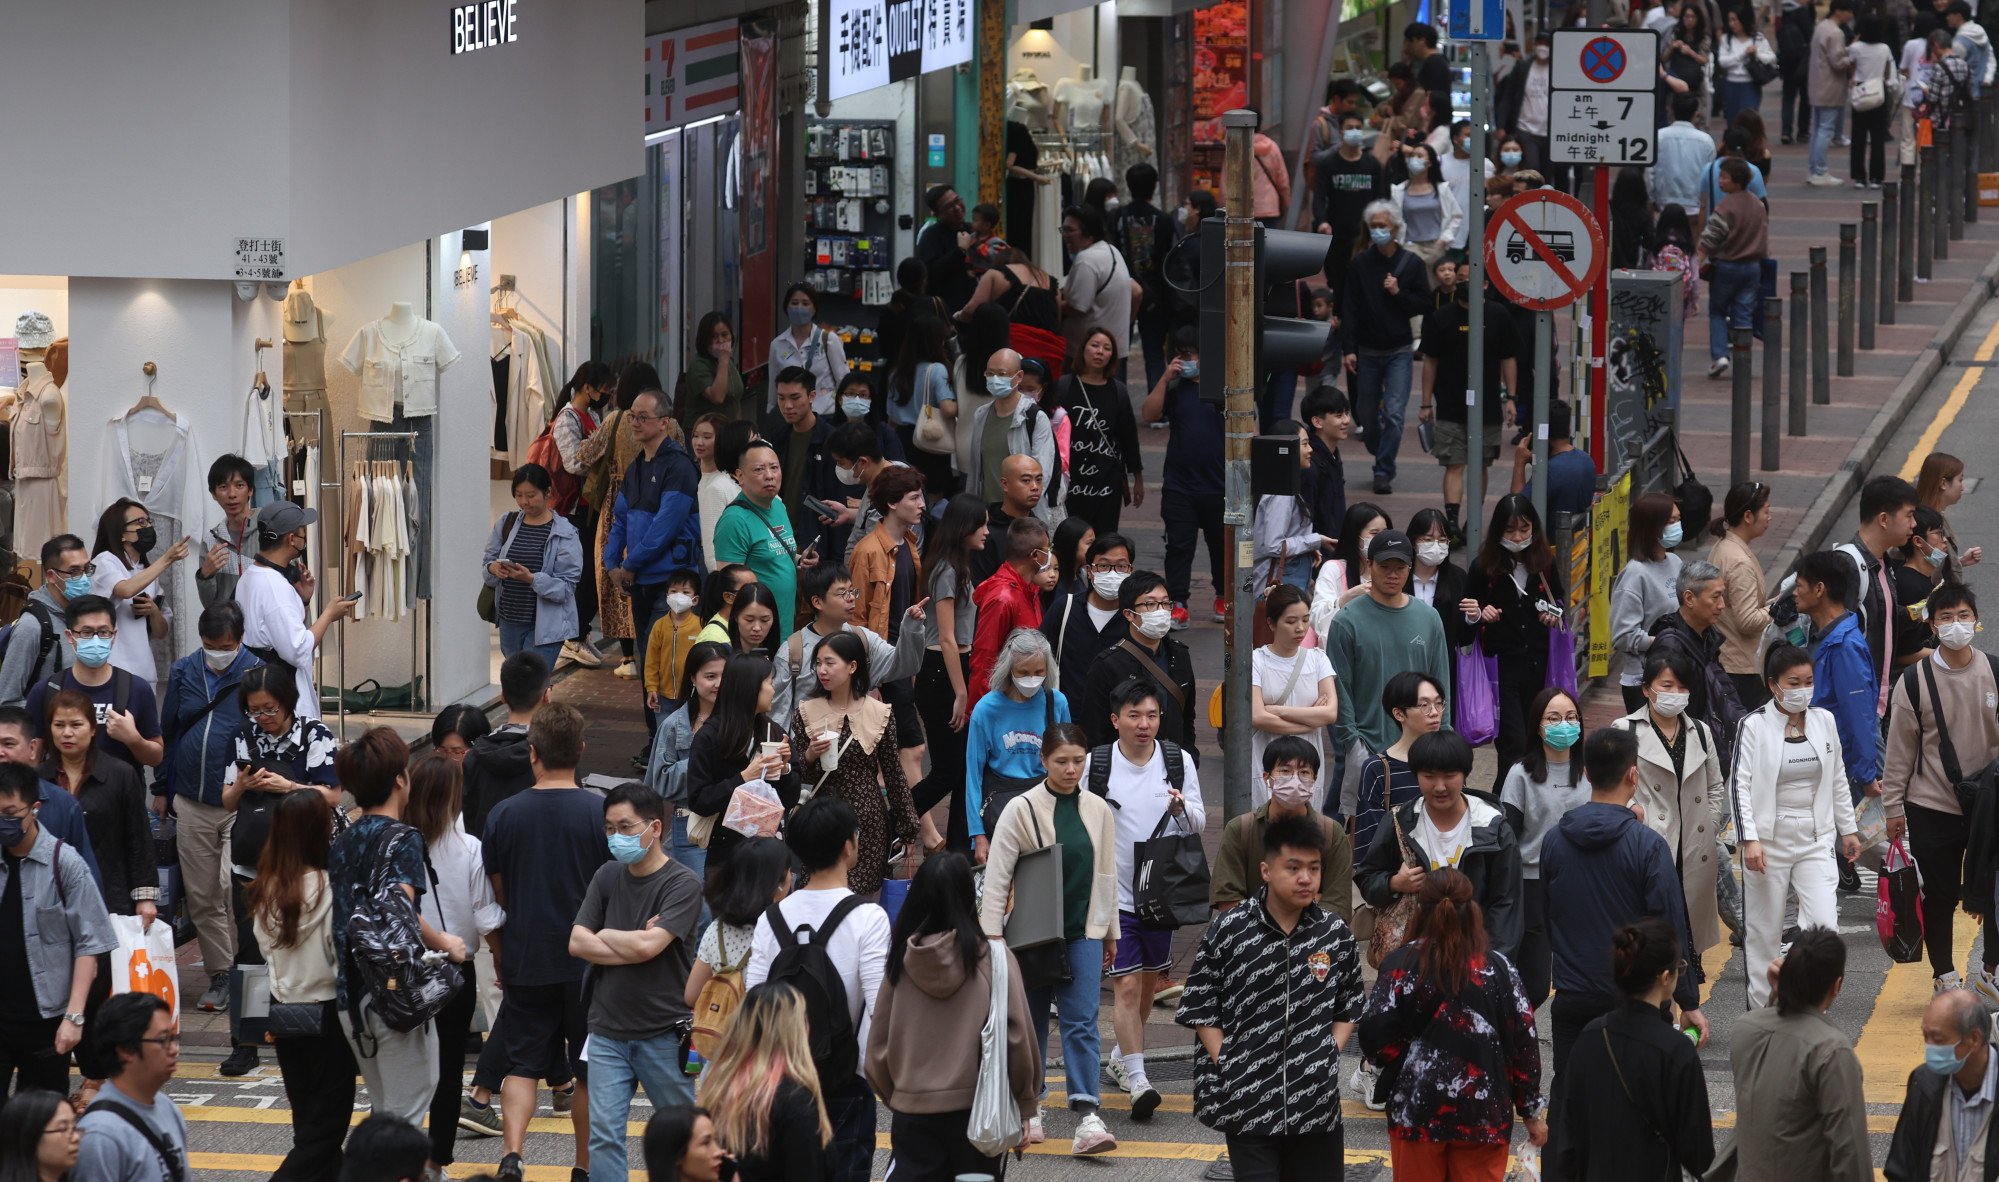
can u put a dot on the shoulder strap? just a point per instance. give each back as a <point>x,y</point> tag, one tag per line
<point>1636,1107</point>
<point>55,864</point>
<point>1048,702</point>
<point>1946,750</point>
<point>171,1158</point>
<point>796,648</point>
<point>1176,764</point>
<point>1100,772</point>
<point>121,689</point>
<point>1159,675</point>
<point>841,910</point>
<point>1069,607</point>
<point>49,634</point>
<point>786,938</point>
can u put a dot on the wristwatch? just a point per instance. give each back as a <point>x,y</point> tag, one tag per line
<point>73,1019</point>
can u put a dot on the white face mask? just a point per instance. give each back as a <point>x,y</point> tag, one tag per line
<point>1516,545</point>
<point>679,601</point>
<point>1957,634</point>
<point>1155,623</point>
<point>856,408</point>
<point>1107,582</point>
<point>1029,685</point>
<point>1669,705</point>
<point>1794,701</point>
<point>1290,791</point>
<point>1673,536</point>
<point>1433,553</point>
<point>845,476</point>
<point>218,659</point>
<point>1541,53</point>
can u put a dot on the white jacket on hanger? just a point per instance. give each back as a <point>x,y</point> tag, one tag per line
<point>152,458</point>
<point>531,390</point>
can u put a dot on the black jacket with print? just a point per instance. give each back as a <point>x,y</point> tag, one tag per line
<point>1274,998</point>
<point>1491,859</point>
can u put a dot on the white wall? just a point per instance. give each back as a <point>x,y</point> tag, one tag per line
<point>33,293</point>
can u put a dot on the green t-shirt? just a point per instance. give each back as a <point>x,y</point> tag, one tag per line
<point>700,376</point>
<point>761,539</point>
<point>1079,864</point>
<point>993,451</point>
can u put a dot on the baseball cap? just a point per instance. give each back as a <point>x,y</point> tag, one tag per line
<point>1391,543</point>
<point>282,517</point>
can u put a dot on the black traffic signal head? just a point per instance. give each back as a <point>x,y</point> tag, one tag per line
<point>1283,258</point>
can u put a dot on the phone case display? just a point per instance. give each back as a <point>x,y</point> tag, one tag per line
<point>850,243</point>
<point>40,451</point>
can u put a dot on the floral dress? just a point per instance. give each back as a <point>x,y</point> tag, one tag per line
<point>869,778</point>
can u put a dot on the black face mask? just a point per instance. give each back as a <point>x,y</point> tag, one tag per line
<point>147,539</point>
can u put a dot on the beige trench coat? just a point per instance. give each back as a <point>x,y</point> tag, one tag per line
<point>1688,814</point>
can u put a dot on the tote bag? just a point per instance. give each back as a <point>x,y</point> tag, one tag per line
<point>1478,694</point>
<point>994,1126</point>
<point>1562,660</point>
<point>1898,906</point>
<point>1169,878</point>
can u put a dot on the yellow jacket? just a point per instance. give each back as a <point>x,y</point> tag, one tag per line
<point>666,653</point>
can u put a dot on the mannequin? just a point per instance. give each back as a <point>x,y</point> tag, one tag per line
<point>1136,127</point>
<point>401,359</point>
<point>1028,100</point>
<point>305,345</point>
<point>40,458</point>
<point>1080,107</point>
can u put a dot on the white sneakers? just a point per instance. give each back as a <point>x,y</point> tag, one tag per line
<point>1114,1072</point>
<point>1362,1081</point>
<point>1034,1133</point>
<point>1983,984</point>
<point>1946,983</point>
<point>1823,179</point>
<point>1144,1100</point>
<point>1092,1137</point>
<point>582,652</point>
<point>1719,367</point>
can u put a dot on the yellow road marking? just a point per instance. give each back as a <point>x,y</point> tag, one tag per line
<point>1948,412</point>
<point>1891,1041</point>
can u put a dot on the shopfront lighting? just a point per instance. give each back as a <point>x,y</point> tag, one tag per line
<point>475,240</point>
<point>658,137</point>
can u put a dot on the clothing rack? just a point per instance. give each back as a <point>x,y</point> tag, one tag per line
<point>316,496</point>
<point>376,440</point>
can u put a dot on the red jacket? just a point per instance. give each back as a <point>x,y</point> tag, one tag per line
<point>1004,602</point>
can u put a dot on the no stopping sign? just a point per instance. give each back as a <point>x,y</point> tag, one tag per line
<point>1543,249</point>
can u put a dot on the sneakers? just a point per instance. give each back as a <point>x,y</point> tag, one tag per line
<point>483,1122</point>
<point>511,1169</point>
<point>1168,994</point>
<point>1179,617</point>
<point>1946,982</point>
<point>1823,179</point>
<point>1034,1133</point>
<point>1718,368</point>
<point>1114,1074</point>
<point>1363,1081</point>
<point>582,652</point>
<point>629,670</point>
<point>241,1061</point>
<point>1383,488</point>
<point>1091,1137</point>
<point>1983,985</point>
<point>560,1100</point>
<point>436,1174</point>
<point>1849,878</point>
<point>216,1000</point>
<point>1144,1099</point>
<point>1221,610</point>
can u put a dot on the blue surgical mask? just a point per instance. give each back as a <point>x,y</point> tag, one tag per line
<point>1380,235</point>
<point>999,385</point>
<point>1417,165</point>
<point>1937,557</point>
<point>1942,1060</point>
<point>13,831</point>
<point>76,587</point>
<point>1190,367</point>
<point>1562,735</point>
<point>627,848</point>
<point>1352,137</point>
<point>1674,534</point>
<point>855,408</point>
<point>799,314</point>
<point>94,651</point>
<point>1510,159</point>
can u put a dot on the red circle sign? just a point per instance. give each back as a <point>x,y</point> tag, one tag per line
<point>1543,249</point>
<point>1603,61</point>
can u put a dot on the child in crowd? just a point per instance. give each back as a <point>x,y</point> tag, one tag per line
<point>666,647</point>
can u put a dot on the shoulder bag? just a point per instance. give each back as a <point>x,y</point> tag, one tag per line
<point>1762,71</point>
<point>994,1126</point>
<point>489,596</point>
<point>1673,1173</point>
<point>936,432</point>
<point>1392,924</point>
<point>1169,877</point>
<point>1159,675</point>
<point>1034,927</point>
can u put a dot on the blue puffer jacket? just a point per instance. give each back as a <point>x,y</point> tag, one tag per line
<point>199,748</point>
<point>656,522</point>
<point>1846,682</point>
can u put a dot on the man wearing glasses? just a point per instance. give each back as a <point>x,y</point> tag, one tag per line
<point>52,927</point>
<point>133,1130</point>
<point>1144,651</point>
<point>656,522</point>
<point>1081,627</point>
<point>128,712</point>
<point>829,594</point>
<point>37,649</point>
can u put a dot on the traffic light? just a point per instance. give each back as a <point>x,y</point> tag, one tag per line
<point>1283,258</point>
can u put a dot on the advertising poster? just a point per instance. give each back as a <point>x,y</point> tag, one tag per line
<point>759,156</point>
<point>1221,66</point>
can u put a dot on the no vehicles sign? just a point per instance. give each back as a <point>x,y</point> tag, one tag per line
<point>1603,98</point>
<point>1543,249</point>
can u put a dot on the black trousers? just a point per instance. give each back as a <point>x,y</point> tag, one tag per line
<point>931,1147</point>
<point>1937,840</point>
<point>1300,1157</point>
<point>585,521</point>
<point>1185,518</point>
<point>29,1049</point>
<point>247,952</point>
<point>1569,1013</point>
<point>1796,99</point>
<point>319,1084</point>
<point>851,1109</point>
<point>454,1030</point>
<point>1103,513</point>
<point>1869,132</point>
<point>940,482</point>
<point>947,747</point>
<point>1521,677</point>
<point>1535,958</point>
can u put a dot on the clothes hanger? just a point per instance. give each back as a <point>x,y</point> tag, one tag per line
<point>262,381</point>
<point>148,400</point>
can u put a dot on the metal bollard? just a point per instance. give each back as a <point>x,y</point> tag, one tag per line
<point>1970,142</point>
<point>1949,191</point>
<point>1773,386</point>
<point>1926,212</point>
<point>1741,402</point>
<point>1821,332</point>
<point>1870,231</point>
<point>1905,236</point>
<point>1848,296</point>
<point>1888,229</point>
<point>1800,347</point>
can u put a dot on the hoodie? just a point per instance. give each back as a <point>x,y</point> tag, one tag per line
<point>1975,47</point>
<point>923,1044</point>
<point>1602,868</point>
<point>497,767</point>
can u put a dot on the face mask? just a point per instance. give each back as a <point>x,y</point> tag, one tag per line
<point>1510,159</point>
<point>1111,203</point>
<point>147,539</point>
<point>679,601</point>
<point>1540,53</point>
<point>13,831</point>
<point>1669,705</point>
<point>1155,623</point>
<point>845,476</point>
<point>94,652</point>
<point>218,659</point>
<point>1516,545</point>
<point>1379,235</point>
<point>1029,685</point>
<point>855,408</point>
<point>1942,1060</point>
<point>1673,535</point>
<point>1795,701</point>
<point>1957,634</point>
<point>1562,735</point>
<point>1106,583</point>
<point>76,587</point>
<point>1417,165</point>
<point>1190,369</point>
<point>800,315</point>
<point>1290,791</point>
<point>999,385</point>
<point>1433,553</point>
<point>1937,557</point>
<point>1352,137</point>
<point>627,848</point>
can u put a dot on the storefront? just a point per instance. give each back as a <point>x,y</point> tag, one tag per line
<point>403,195</point>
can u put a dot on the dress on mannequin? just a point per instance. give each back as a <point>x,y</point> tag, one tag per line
<point>1080,105</point>
<point>1137,129</point>
<point>1019,190</point>
<point>40,461</point>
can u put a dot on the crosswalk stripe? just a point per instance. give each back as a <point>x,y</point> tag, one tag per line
<point>1891,1041</point>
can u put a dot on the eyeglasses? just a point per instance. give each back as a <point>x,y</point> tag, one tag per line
<point>627,828</point>
<point>1151,605</point>
<point>641,417</point>
<point>94,633</point>
<point>1122,568</point>
<point>767,470</point>
<point>142,523</point>
<point>165,1040</point>
<point>88,568</point>
<point>996,373</point>
<point>266,712</point>
<point>69,1129</point>
<point>847,593</point>
<point>1428,705</point>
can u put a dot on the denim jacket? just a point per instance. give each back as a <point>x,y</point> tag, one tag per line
<point>59,923</point>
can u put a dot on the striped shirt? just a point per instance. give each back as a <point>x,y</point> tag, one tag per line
<point>530,545</point>
<point>1968,1114</point>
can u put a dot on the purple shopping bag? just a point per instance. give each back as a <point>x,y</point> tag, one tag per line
<point>1478,695</point>
<point>1562,660</point>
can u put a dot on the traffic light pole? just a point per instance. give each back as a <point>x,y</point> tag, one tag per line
<point>1474,508</point>
<point>1240,378</point>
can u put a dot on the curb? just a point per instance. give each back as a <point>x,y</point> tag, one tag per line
<point>1819,521</point>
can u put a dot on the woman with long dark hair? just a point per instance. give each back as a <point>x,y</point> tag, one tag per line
<point>39,1137</point>
<point>1634,1096</point>
<point>753,620</point>
<point>1646,589</point>
<point>1448,1024</point>
<point>581,445</point>
<point>738,745</point>
<point>123,571</point>
<point>1745,516</point>
<point>1742,43</point>
<point>712,383</point>
<point>756,876</point>
<point>923,1045</point>
<point>1513,597</point>
<point>1685,54</point>
<point>1070,543</point>
<point>1343,577</point>
<point>666,764</point>
<point>681,1146</point>
<point>1546,783</point>
<point>1436,580</point>
<point>836,719</point>
<point>718,595</point>
<point>943,691</point>
<point>289,905</point>
<point>1105,471</point>
<point>919,385</point>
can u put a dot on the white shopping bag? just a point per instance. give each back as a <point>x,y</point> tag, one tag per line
<point>144,960</point>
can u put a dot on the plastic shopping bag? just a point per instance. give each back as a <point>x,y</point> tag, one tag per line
<point>1871,821</point>
<point>754,810</point>
<point>144,960</point>
<point>995,1125</point>
<point>1562,660</point>
<point>1898,907</point>
<point>1478,695</point>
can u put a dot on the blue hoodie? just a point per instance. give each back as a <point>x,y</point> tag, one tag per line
<point>1845,682</point>
<point>1601,868</point>
<point>656,520</point>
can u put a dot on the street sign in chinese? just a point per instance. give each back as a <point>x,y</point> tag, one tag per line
<point>1603,127</point>
<point>260,259</point>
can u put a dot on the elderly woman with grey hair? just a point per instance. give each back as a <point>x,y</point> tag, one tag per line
<point>1003,739</point>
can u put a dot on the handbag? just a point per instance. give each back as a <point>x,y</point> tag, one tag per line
<point>1761,72</point>
<point>1898,906</point>
<point>1562,660</point>
<point>994,1126</point>
<point>1169,879</point>
<point>1034,927</point>
<point>306,1019</point>
<point>935,432</point>
<point>1696,501</point>
<point>1867,93</point>
<point>1477,676</point>
<point>1392,924</point>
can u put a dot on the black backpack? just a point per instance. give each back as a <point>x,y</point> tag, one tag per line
<point>805,966</point>
<point>1100,768</point>
<point>50,632</point>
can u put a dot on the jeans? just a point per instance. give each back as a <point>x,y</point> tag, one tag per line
<point>515,637</point>
<point>1732,297</point>
<point>1277,398</point>
<point>1387,374</point>
<point>1298,572</point>
<point>617,1068</point>
<point>648,601</point>
<point>1076,1007</point>
<point>851,1109</point>
<point>1870,144</point>
<point>319,1084</point>
<point>695,858</point>
<point>1825,122</point>
<point>1736,97</point>
<point>1185,518</point>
